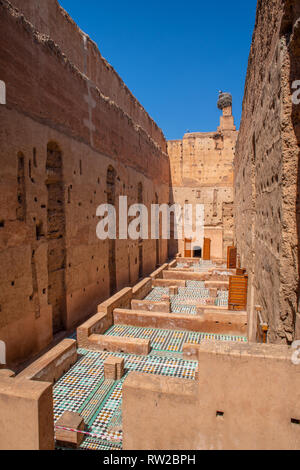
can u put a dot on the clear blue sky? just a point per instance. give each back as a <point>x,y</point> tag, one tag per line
<point>174,55</point>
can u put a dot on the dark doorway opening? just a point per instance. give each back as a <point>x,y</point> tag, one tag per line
<point>197,251</point>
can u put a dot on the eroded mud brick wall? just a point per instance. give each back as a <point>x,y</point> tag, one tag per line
<point>72,137</point>
<point>202,173</point>
<point>267,171</point>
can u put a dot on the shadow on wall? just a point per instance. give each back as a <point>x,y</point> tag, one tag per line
<point>56,236</point>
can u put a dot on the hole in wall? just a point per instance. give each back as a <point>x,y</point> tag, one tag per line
<point>34,157</point>
<point>295,421</point>
<point>39,231</point>
<point>220,414</point>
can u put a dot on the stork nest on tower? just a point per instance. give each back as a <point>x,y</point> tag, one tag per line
<point>225,100</point>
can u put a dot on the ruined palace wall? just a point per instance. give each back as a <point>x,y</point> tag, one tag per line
<point>49,18</point>
<point>266,172</point>
<point>202,173</point>
<point>50,101</point>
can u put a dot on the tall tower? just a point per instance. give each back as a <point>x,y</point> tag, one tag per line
<point>227,120</point>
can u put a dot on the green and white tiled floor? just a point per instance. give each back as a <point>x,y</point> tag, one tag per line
<point>194,291</point>
<point>83,390</point>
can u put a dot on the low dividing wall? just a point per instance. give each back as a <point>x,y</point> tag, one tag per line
<point>103,320</point>
<point>189,275</point>
<point>151,306</point>
<point>122,299</point>
<point>172,264</point>
<point>247,396</point>
<point>218,322</point>
<point>182,259</point>
<point>158,274</point>
<point>217,261</point>
<point>120,344</point>
<point>91,336</point>
<point>52,365</point>
<point>142,289</point>
<point>185,275</point>
<point>168,283</point>
<point>217,285</point>
<point>182,270</point>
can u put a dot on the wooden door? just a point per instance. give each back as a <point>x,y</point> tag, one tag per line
<point>231,257</point>
<point>187,247</point>
<point>206,249</point>
<point>238,292</point>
